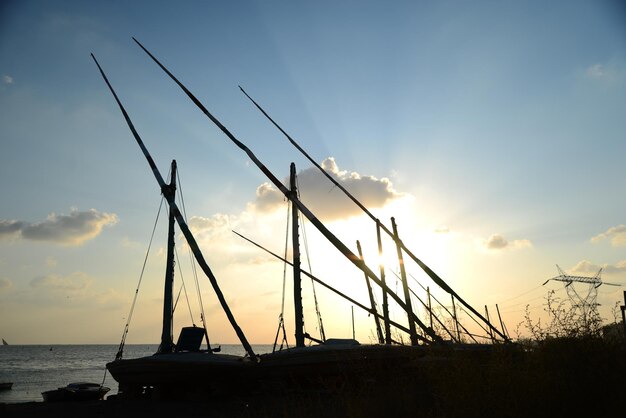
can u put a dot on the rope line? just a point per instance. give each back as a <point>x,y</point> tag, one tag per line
<point>193,264</point>
<point>120,350</point>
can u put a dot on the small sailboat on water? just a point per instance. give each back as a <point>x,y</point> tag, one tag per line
<point>4,342</point>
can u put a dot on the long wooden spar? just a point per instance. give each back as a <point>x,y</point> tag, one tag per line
<point>181,221</point>
<point>305,211</point>
<point>329,287</point>
<point>438,280</point>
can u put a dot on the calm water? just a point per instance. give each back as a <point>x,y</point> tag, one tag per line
<point>37,368</point>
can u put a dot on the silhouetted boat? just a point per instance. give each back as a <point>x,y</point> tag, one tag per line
<point>6,385</point>
<point>74,392</point>
<point>184,370</point>
<point>4,342</point>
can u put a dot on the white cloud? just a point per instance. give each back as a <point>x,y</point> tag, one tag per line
<point>7,79</point>
<point>617,235</point>
<point>73,229</point>
<point>128,243</point>
<point>596,71</point>
<point>499,242</point>
<point>75,282</point>
<point>79,287</point>
<point>613,72</point>
<point>586,267</point>
<point>320,196</point>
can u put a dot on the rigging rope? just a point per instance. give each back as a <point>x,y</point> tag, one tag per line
<point>448,311</point>
<point>308,259</point>
<point>281,319</point>
<point>120,350</point>
<point>193,264</point>
<point>182,287</point>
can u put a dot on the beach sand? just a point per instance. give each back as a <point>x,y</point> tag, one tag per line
<point>135,409</point>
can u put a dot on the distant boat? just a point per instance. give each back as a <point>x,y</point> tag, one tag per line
<point>81,391</point>
<point>4,342</point>
<point>6,385</point>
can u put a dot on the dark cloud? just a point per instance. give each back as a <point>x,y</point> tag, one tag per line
<point>324,199</point>
<point>72,229</point>
<point>498,242</point>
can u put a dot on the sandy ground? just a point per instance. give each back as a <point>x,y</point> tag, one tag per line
<point>135,409</point>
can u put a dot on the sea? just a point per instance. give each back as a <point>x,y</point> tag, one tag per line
<point>37,368</point>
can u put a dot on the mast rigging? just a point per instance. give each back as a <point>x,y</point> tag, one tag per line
<point>438,280</point>
<point>181,222</point>
<point>305,211</point>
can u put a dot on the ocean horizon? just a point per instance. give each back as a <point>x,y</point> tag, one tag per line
<point>36,368</point>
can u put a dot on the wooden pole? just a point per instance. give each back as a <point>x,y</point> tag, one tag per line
<point>504,331</point>
<point>487,316</point>
<point>353,332</point>
<point>438,280</point>
<point>193,245</point>
<point>384,281</point>
<point>456,320</point>
<point>332,289</point>
<point>623,307</point>
<point>379,331</point>
<point>338,244</point>
<point>405,284</point>
<point>167,340</point>
<point>297,281</point>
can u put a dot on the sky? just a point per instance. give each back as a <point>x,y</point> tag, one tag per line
<point>493,131</point>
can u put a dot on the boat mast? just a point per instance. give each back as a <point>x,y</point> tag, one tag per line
<point>193,245</point>
<point>332,289</point>
<point>379,331</point>
<point>382,279</point>
<point>405,284</point>
<point>297,281</point>
<point>167,339</point>
<point>340,246</point>
<point>438,280</point>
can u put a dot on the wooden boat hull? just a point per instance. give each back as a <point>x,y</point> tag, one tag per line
<point>189,375</point>
<point>76,392</point>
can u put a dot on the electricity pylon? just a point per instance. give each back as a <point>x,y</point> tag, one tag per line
<point>586,304</point>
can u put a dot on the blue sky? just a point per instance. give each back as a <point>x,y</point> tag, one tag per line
<point>500,127</point>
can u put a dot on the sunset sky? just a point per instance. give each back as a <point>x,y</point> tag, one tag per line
<point>493,131</point>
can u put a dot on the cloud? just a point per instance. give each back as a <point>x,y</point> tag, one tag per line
<point>617,235</point>
<point>128,243</point>
<point>612,72</point>
<point>322,198</point>
<point>73,229</point>
<point>7,79</point>
<point>214,228</point>
<point>79,287</point>
<point>587,267</point>
<point>498,242</point>
<point>5,284</point>
<point>75,282</point>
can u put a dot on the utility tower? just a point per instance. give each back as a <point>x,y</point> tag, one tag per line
<point>583,300</point>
